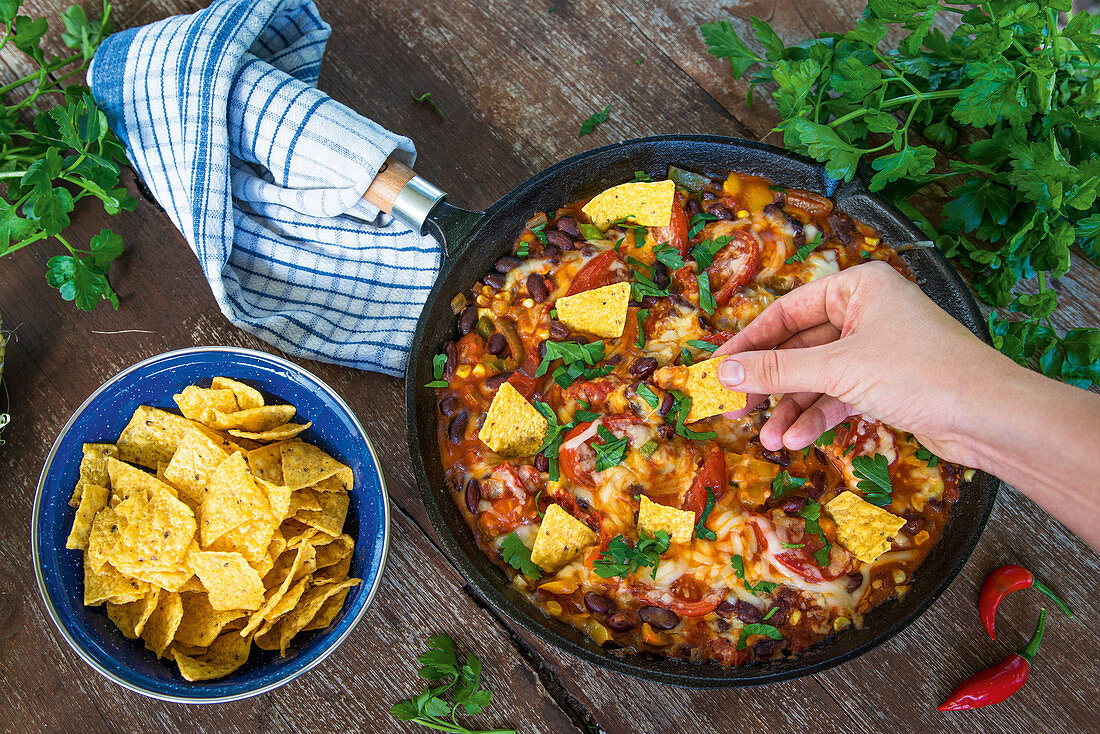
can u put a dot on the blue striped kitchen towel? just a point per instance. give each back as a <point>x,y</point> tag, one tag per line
<point>263,174</point>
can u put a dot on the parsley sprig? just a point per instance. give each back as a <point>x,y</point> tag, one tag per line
<point>1006,103</point>
<point>812,513</point>
<point>760,587</point>
<point>701,530</point>
<point>439,663</point>
<point>873,473</point>
<point>518,556</point>
<point>621,559</point>
<point>703,254</point>
<point>596,118</point>
<point>612,451</point>
<point>785,483</point>
<point>669,255</point>
<point>681,408</point>
<point>439,361</point>
<point>578,361</point>
<point>803,252</point>
<point>65,156</point>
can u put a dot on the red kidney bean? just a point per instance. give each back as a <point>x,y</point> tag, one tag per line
<point>560,239</point>
<point>725,609</point>
<point>643,367</point>
<point>588,250</point>
<point>914,523</point>
<point>456,431</point>
<point>659,617</point>
<point>855,580</point>
<point>843,227</point>
<point>660,275</point>
<point>707,196</point>
<point>541,462</point>
<point>634,304</point>
<point>693,208</point>
<point>467,320</point>
<point>748,613</point>
<point>614,359</point>
<point>583,504</point>
<point>666,404</point>
<point>452,360</point>
<point>497,344</point>
<point>598,603</point>
<point>494,280</point>
<point>473,495</point>
<point>650,301</point>
<point>636,489</point>
<point>773,211</point>
<point>793,505</point>
<point>816,486</point>
<point>536,286</point>
<point>765,648</point>
<point>720,210</point>
<point>542,349</point>
<point>781,457</point>
<point>497,380</point>
<point>799,232</point>
<point>448,405</point>
<point>569,226</point>
<point>551,251</point>
<point>506,263</point>
<point>936,505</point>
<point>558,330</point>
<point>580,339</point>
<point>620,622</point>
<point>782,612</point>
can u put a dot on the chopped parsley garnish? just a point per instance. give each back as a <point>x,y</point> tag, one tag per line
<point>706,298</point>
<point>770,613</point>
<point>523,250</point>
<point>685,357</point>
<point>784,483</point>
<point>646,394</point>
<point>669,255</point>
<point>793,545</point>
<point>567,375</point>
<point>681,406</point>
<point>761,587</point>
<point>643,286</point>
<point>776,187</point>
<point>700,344</point>
<point>642,313</point>
<point>426,98</point>
<point>928,457</point>
<point>596,118</point>
<point>551,440</point>
<point>811,513</point>
<point>613,450</point>
<point>637,263</point>
<point>698,222</point>
<point>757,628</point>
<point>701,530</point>
<point>439,361</point>
<point>826,439</point>
<point>540,231</point>
<point>590,231</point>
<point>639,236</point>
<point>641,177</point>
<point>704,253</point>
<point>805,250</point>
<point>874,475</point>
<point>570,353</point>
<point>622,560</point>
<point>518,556</point>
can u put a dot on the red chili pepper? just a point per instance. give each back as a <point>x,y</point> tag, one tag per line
<point>999,682</point>
<point>1003,582</point>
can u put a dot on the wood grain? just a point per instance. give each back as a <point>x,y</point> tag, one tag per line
<point>515,81</point>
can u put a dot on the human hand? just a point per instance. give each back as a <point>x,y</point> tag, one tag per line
<point>864,340</point>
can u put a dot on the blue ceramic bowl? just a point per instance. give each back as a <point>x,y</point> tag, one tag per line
<point>101,419</point>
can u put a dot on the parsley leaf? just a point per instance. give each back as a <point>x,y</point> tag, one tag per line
<point>646,394</point>
<point>760,587</point>
<point>539,231</point>
<point>670,256</point>
<point>642,314</point>
<point>784,483</point>
<point>590,232</point>
<point>723,42</point>
<point>811,513</point>
<point>439,361</point>
<point>681,407</point>
<point>685,357</point>
<point>701,530</point>
<point>518,556</point>
<point>757,628</point>
<point>874,475</point>
<point>596,118</point>
<point>804,251</point>
<point>928,457</point>
<point>620,559</point>
<point>570,353</point>
<point>705,346</point>
<point>826,439</point>
<point>612,451</point>
<point>698,221</point>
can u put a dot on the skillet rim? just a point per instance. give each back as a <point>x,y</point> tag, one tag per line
<point>686,674</point>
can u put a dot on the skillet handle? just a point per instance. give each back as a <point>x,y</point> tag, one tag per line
<point>397,190</point>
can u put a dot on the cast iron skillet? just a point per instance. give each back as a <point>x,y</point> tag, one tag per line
<point>473,241</point>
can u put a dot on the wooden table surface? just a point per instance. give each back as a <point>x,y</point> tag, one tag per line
<point>515,81</point>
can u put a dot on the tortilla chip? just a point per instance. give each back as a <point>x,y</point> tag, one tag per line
<point>201,624</point>
<point>700,382</point>
<point>129,481</point>
<point>864,529</point>
<point>560,538</point>
<point>93,468</point>
<point>512,427</point>
<point>279,433</point>
<point>195,459</point>
<point>646,203</point>
<point>230,581</point>
<point>151,437</point>
<point>93,499</point>
<point>338,482</point>
<point>108,584</point>
<point>266,463</point>
<point>303,499</point>
<point>330,518</point>
<point>253,420</point>
<point>232,498</point>
<point>305,465</point>
<point>251,539</point>
<point>679,524</point>
<point>157,531</point>
<point>599,311</point>
<point>337,550</point>
<point>225,655</point>
<point>328,611</point>
<point>337,572</point>
<point>302,614</point>
<point>162,624</point>
<point>247,397</point>
<point>103,540</point>
<point>278,499</point>
<point>202,404</point>
<point>131,618</point>
<point>276,595</point>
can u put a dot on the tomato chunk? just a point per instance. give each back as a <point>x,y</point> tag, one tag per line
<point>599,271</point>
<point>678,228</point>
<point>711,476</point>
<point>734,266</point>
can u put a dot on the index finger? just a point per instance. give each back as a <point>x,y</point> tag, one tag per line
<point>803,308</point>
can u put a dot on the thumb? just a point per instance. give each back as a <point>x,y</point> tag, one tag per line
<point>777,371</point>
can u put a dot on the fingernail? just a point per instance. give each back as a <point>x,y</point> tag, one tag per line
<point>731,372</point>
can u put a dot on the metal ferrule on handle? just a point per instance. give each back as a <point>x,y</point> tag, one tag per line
<point>397,190</point>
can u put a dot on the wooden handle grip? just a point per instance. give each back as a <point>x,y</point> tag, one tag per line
<point>385,187</point>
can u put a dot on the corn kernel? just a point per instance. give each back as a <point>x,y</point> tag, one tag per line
<point>479,370</point>
<point>597,631</point>
<point>872,241</point>
<point>559,587</point>
<point>795,616</point>
<point>528,303</point>
<point>876,584</point>
<point>899,576</point>
<point>968,475</point>
<point>742,213</point>
<point>554,608</point>
<point>841,623</point>
<point>463,371</point>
